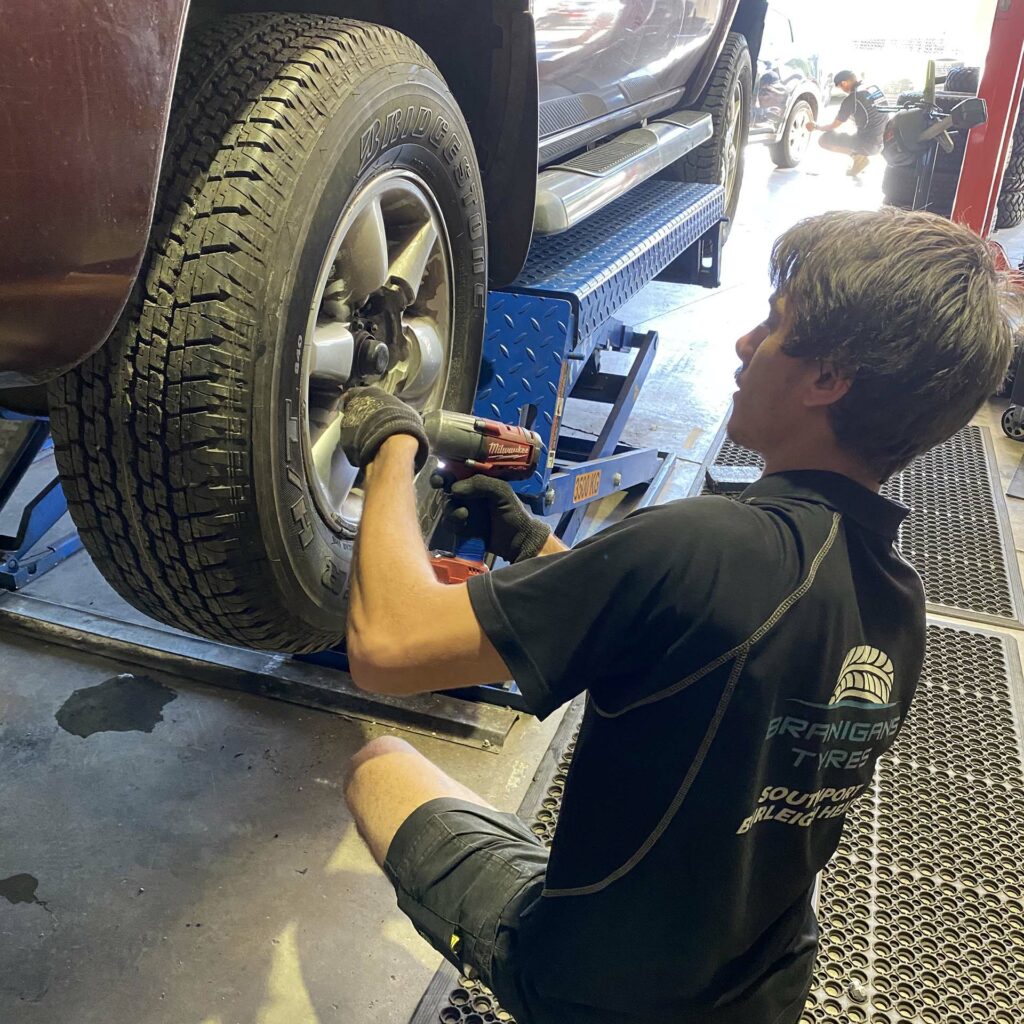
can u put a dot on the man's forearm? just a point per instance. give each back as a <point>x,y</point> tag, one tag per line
<point>392,565</point>
<point>552,546</point>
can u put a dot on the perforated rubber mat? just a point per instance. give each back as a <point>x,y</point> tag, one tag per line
<point>922,908</point>
<point>956,535</point>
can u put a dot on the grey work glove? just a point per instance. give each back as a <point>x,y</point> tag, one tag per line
<point>369,417</point>
<point>515,534</point>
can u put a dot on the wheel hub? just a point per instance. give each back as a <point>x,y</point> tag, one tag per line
<point>381,314</point>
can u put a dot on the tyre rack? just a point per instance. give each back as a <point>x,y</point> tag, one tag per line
<point>543,344</point>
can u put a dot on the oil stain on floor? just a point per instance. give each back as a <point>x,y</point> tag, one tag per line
<point>123,703</point>
<point>21,889</point>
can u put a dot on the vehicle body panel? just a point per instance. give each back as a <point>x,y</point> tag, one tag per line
<point>83,124</point>
<point>90,85</point>
<point>600,56</point>
<point>786,72</point>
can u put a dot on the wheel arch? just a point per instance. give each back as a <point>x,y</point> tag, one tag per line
<point>490,65</point>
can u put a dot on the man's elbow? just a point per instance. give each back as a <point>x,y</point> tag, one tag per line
<point>376,663</point>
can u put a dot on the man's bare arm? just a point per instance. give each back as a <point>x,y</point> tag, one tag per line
<point>408,633</point>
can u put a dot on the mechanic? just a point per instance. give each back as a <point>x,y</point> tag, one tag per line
<point>862,105</point>
<point>746,662</point>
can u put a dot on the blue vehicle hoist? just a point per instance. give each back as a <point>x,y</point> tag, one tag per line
<point>544,337</point>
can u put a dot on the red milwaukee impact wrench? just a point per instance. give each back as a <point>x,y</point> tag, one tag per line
<point>466,445</point>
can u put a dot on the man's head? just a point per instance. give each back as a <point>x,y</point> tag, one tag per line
<point>845,80</point>
<point>888,330</point>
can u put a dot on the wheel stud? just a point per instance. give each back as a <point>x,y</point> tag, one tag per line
<point>372,356</point>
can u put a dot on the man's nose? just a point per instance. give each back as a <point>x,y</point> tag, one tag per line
<point>746,346</point>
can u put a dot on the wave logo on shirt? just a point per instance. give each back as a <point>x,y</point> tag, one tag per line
<point>866,676</point>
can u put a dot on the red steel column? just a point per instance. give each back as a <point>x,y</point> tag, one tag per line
<point>988,144</point>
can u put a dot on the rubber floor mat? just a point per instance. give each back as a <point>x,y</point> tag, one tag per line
<point>958,535</point>
<point>922,908</point>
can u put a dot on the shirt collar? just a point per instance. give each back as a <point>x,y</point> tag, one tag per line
<point>839,492</point>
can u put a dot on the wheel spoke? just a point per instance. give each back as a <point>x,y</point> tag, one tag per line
<point>426,360</point>
<point>332,354</point>
<point>410,262</point>
<point>363,259</point>
<point>331,465</point>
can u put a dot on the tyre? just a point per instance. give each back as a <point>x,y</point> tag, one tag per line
<point>790,149</point>
<point>1010,211</point>
<point>899,185</point>
<point>726,97</point>
<point>1013,176</point>
<point>961,79</point>
<point>320,216</point>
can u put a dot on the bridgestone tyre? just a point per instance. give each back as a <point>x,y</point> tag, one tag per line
<point>177,442</point>
<point>789,151</point>
<point>726,98</point>
<point>1010,211</point>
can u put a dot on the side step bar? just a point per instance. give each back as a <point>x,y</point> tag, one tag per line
<point>570,192</point>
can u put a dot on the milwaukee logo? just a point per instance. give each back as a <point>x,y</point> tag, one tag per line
<point>496,448</point>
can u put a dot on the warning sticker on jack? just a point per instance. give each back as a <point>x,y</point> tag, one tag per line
<point>586,486</point>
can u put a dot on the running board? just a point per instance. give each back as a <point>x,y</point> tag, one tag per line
<point>570,192</point>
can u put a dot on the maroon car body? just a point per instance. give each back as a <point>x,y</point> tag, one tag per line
<point>82,125</point>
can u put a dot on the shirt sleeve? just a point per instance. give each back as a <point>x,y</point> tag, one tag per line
<point>559,621</point>
<point>846,108</point>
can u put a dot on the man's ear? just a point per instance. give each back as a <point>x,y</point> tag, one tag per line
<point>826,388</point>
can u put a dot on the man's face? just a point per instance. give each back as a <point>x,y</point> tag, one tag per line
<point>847,85</point>
<point>776,399</point>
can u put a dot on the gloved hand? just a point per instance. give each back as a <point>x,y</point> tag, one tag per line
<point>369,417</point>
<point>515,533</point>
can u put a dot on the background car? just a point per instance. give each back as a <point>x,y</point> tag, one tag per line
<point>791,88</point>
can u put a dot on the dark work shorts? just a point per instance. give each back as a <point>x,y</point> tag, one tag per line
<point>464,874</point>
<point>852,144</point>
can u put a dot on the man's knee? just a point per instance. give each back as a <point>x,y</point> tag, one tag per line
<point>377,747</point>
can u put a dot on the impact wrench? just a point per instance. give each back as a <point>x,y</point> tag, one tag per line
<point>467,446</point>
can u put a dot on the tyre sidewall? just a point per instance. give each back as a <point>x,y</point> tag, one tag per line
<point>787,152</point>
<point>741,72</point>
<point>363,139</point>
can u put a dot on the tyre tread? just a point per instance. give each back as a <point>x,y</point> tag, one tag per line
<point>152,434</point>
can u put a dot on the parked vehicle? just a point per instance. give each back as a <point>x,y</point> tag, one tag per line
<point>216,220</point>
<point>791,88</point>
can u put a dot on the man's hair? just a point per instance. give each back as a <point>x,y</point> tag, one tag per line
<point>911,307</point>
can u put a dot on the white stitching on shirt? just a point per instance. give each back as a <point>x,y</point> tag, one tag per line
<point>741,652</point>
<point>754,637</point>
<point>677,801</point>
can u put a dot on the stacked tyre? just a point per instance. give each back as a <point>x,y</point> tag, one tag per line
<point>1010,211</point>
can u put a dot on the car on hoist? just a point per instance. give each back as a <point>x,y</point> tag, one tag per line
<point>217,219</point>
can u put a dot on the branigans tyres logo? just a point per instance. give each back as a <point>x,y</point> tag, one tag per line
<point>866,675</point>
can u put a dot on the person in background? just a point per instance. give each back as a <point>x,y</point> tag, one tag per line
<point>861,104</point>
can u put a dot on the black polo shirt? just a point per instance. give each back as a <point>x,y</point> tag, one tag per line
<point>862,106</point>
<point>747,662</point>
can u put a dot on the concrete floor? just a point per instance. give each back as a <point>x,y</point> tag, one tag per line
<point>172,853</point>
